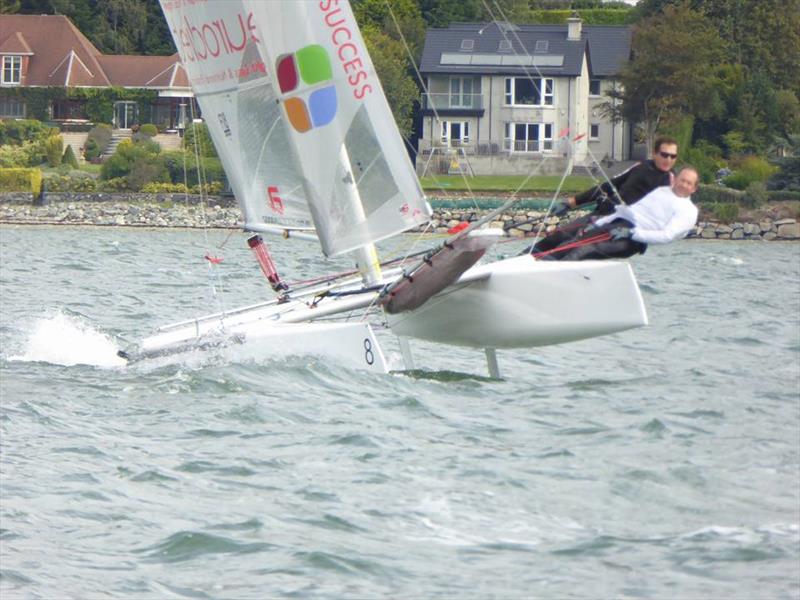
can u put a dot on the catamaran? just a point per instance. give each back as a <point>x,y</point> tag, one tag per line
<point>311,150</point>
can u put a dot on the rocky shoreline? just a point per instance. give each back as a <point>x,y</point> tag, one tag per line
<point>176,210</point>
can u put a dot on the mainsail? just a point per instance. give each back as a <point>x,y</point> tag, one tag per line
<point>298,116</point>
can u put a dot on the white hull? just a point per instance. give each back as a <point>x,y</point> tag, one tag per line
<point>521,302</point>
<point>352,345</point>
<point>518,302</point>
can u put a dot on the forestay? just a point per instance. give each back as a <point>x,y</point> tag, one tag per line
<point>299,117</point>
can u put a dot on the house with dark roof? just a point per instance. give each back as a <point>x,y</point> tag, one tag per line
<point>49,51</point>
<point>499,95</point>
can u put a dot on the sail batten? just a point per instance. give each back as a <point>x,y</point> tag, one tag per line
<point>299,118</point>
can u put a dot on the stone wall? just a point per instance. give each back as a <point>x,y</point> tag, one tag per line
<point>176,210</point>
<point>523,223</point>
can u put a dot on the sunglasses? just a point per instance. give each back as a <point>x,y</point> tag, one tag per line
<point>668,155</point>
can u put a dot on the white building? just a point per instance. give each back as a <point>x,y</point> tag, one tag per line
<point>500,94</point>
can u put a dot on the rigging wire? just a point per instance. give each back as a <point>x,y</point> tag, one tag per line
<point>217,290</point>
<point>425,89</point>
<point>528,74</point>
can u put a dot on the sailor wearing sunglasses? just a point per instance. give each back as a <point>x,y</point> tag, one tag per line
<point>628,187</point>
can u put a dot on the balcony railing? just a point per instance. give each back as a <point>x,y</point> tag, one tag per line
<point>527,145</point>
<point>452,101</point>
<point>507,147</point>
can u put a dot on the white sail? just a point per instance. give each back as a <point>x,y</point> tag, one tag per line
<point>298,116</point>
<point>228,73</point>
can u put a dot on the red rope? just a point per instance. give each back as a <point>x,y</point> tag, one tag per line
<point>601,237</point>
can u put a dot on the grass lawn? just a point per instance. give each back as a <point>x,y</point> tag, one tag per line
<point>507,183</point>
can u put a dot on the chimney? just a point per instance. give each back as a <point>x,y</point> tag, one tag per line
<point>574,27</point>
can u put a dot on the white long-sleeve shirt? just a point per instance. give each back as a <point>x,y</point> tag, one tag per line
<point>658,218</point>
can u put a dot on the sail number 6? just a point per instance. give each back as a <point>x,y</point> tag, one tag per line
<point>275,201</point>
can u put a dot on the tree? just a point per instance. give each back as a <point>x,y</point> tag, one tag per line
<point>788,112</point>
<point>761,34</point>
<point>401,21</point>
<point>513,11</point>
<point>757,115</point>
<point>9,7</point>
<point>114,26</point>
<point>389,57</point>
<point>440,13</point>
<point>788,175</point>
<point>675,71</point>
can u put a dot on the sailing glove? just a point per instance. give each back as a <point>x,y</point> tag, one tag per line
<point>620,233</point>
<point>560,209</point>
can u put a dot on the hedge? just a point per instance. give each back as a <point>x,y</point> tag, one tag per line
<point>710,194</point>
<point>713,194</point>
<point>776,195</point>
<point>21,180</point>
<point>589,16</point>
<point>18,131</point>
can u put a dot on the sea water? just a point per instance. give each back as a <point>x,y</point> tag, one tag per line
<point>662,462</point>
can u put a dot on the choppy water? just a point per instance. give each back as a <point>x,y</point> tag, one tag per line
<point>658,463</point>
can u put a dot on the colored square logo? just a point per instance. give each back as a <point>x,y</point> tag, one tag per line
<point>316,107</point>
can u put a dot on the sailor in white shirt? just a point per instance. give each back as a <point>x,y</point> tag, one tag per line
<point>662,216</point>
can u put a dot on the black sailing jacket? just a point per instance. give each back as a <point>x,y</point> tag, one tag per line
<point>632,185</point>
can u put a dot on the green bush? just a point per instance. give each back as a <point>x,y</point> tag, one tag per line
<point>725,211</point>
<point>147,170</point>
<point>149,130</point>
<point>738,181</point>
<point>126,155</point>
<point>74,182</point>
<point>117,184</point>
<point>97,141</point>
<point>54,150</point>
<point>91,150</point>
<point>757,168</point>
<point>706,158</point>
<point>199,131</point>
<point>777,195</point>
<point>69,158</point>
<point>212,189</point>
<point>211,168</point>
<point>21,180</point>
<point>27,154</point>
<point>712,194</point>
<point>755,195</point>
<point>750,169</point>
<point>164,188</point>
<point>18,132</point>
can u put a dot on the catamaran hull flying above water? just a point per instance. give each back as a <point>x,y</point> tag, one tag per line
<point>513,303</point>
<point>307,139</point>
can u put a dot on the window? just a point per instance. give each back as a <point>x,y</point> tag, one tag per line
<point>455,133</point>
<point>594,87</point>
<point>12,108</point>
<point>504,46</point>
<point>594,131</point>
<point>467,44</point>
<point>522,91</point>
<point>528,137</point>
<point>64,109</point>
<point>463,92</point>
<point>12,70</point>
<point>541,46</point>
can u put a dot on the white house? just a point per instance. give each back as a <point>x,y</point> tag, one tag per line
<point>499,95</point>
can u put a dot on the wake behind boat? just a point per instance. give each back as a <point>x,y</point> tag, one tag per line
<point>308,141</point>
